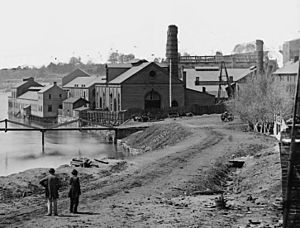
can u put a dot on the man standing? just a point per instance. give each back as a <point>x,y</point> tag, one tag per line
<point>74,191</point>
<point>51,184</point>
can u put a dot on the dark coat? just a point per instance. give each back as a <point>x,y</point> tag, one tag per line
<point>51,184</point>
<point>74,191</point>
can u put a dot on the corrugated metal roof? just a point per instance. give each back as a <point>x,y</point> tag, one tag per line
<point>78,72</point>
<point>119,65</point>
<point>73,100</point>
<point>24,82</point>
<point>36,88</point>
<point>289,68</point>
<point>82,108</point>
<point>210,89</point>
<point>127,74</point>
<point>45,88</point>
<point>86,81</point>
<point>30,95</point>
<point>19,84</point>
<point>213,75</point>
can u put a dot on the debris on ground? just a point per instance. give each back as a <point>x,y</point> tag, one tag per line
<point>86,162</point>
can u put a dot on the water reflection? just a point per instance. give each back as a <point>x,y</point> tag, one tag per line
<point>22,150</point>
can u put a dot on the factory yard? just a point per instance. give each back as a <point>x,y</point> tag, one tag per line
<point>175,183</point>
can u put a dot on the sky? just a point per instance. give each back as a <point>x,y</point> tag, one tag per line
<point>37,32</point>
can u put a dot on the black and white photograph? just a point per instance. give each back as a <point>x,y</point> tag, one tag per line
<point>139,113</point>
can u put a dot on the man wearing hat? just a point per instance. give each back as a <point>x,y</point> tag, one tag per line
<point>74,191</point>
<point>51,184</point>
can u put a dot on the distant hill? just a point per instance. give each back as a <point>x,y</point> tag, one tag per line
<point>46,74</point>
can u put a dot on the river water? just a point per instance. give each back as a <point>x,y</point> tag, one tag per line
<point>22,150</point>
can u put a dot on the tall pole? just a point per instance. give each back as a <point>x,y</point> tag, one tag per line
<point>290,172</point>
<point>43,141</point>
<point>170,85</point>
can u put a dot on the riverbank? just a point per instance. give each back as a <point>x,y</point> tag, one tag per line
<point>159,187</point>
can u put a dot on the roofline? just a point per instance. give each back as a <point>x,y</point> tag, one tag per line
<point>200,92</point>
<point>283,73</point>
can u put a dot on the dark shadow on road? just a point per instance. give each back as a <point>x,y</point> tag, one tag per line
<point>67,215</point>
<point>87,213</point>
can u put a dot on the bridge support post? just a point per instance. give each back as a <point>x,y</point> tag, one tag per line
<point>5,121</point>
<point>43,141</point>
<point>116,136</point>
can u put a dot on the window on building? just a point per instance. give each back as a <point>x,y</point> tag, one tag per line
<point>119,102</point>
<point>100,102</point>
<point>49,96</point>
<point>84,94</point>
<point>115,104</point>
<point>152,74</point>
<point>110,101</point>
<point>104,100</point>
<point>174,103</point>
<point>49,108</point>
<point>60,106</point>
<point>60,96</point>
<point>197,82</point>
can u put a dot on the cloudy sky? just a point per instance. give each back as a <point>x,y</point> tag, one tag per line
<point>35,32</point>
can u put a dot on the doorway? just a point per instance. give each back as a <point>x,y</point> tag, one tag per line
<point>152,100</point>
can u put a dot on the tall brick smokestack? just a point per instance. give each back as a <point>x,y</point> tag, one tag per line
<point>172,49</point>
<point>260,56</point>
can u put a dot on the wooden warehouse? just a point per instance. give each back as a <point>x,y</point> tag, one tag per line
<point>144,85</point>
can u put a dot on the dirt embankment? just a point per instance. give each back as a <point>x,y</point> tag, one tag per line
<point>157,137</point>
<point>158,188</point>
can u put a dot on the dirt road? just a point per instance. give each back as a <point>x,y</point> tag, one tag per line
<point>156,189</point>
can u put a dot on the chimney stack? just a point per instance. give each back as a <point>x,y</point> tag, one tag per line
<point>184,78</point>
<point>172,49</point>
<point>106,74</point>
<point>260,56</point>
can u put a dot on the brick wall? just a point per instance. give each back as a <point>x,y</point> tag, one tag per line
<point>294,212</point>
<point>133,96</point>
<point>198,98</point>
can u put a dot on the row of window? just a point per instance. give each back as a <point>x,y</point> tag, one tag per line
<point>50,96</point>
<point>114,103</point>
<point>82,85</point>
<point>287,78</point>
<point>33,107</point>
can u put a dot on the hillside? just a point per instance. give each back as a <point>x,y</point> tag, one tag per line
<point>45,74</point>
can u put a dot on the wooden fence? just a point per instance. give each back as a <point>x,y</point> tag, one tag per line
<point>108,118</point>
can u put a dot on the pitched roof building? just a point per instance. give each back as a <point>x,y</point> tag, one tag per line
<point>31,99</point>
<point>145,85</point>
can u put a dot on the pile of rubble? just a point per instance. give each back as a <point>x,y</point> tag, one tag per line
<point>86,162</point>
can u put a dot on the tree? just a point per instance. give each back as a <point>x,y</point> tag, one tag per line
<point>244,48</point>
<point>113,57</point>
<point>116,57</point>
<point>259,100</point>
<point>75,60</point>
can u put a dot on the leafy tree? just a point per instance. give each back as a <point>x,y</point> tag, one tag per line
<point>75,60</point>
<point>244,48</point>
<point>116,57</point>
<point>259,100</point>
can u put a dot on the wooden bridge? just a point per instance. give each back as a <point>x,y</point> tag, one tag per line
<point>56,127</point>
